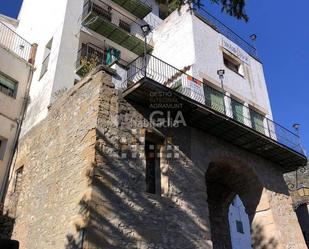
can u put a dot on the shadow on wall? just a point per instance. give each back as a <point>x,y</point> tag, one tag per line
<point>6,225</point>
<point>259,241</point>
<point>120,214</point>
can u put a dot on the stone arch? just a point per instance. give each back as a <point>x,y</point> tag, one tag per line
<point>224,180</point>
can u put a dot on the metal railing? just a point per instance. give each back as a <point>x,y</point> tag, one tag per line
<point>181,82</point>
<point>10,40</point>
<point>109,14</point>
<point>224,30</point>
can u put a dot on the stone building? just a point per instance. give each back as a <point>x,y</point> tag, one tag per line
<point>102,184</point>
<point>149,150</point>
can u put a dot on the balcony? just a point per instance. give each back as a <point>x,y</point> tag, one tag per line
<point>136,7</point>
<point>113,25</point>
<point>10,40</point>
<point>91,56</point>
<point>225,31</point>
<point>215,112</point>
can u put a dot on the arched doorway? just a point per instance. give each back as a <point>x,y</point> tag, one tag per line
<point>224,182</point>
<point>239,225</point>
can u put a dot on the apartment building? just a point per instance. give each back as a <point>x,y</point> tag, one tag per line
<point>16,71</point>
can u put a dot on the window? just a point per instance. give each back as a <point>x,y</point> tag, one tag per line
<point>153,163</point>
<point>214,99</point>
<point>46,58</point>
<point>2,147</point>
<point>233,64</point>
<point>8,86</point>
<point>238,111</point>
<point>18,179</point>
<point>239,227</point>
<point>125,26</point>
<point>257,121</point>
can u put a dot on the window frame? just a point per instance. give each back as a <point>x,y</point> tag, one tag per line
<point>230,60</point>
<point>12,81</point>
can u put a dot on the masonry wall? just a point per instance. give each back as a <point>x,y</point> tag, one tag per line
<point>84,182</point>
<point>55,156</point>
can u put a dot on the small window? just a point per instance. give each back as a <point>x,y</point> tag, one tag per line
<point>8,86</point>
<point>2,147</point>
<point>233,64</point>
<point>153,167</point>
<point>46,58</point>
<point>18,179</point>
<point>125,26</point>
<point>239,227</point>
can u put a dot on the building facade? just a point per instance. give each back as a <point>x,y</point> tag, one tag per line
<point>15,77</point>
<point>148,151</point>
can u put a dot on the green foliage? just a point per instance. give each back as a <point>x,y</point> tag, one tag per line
<point>88,64</point>
<point>235,8</point>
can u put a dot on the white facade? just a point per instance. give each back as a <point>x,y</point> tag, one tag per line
<point>185,40</point>
<point>59,21</point>
<point>15,77</point>
<point>239,225</point>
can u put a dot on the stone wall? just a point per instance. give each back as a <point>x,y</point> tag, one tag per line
<point>84,182</point>
<point>55,156</point>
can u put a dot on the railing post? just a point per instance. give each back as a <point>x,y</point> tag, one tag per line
<point>34,48</point>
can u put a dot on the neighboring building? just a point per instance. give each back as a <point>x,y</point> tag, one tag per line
<point>148,151</point>
<point>16,58</point>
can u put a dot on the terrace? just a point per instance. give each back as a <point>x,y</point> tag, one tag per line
<point>112,24</point>
<point>13,42</point>
<point>213,111</point>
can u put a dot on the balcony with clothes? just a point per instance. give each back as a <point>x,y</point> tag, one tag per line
<point>115,26</point>
<point>90,56</point>
<point>214,111</point>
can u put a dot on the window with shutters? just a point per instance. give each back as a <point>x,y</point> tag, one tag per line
<point>257,121</point>
<point>238,111</point>
<point>214,99</point>
<point>8,86</point>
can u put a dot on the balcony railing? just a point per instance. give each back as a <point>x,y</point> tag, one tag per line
<point>180,82</point>
<point>138,8</point>
<point>90,56</point>
<point>224,30</point>
<point>10,40</point>
<point>112,24</point>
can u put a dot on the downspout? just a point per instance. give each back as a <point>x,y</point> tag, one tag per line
<point>6,181</point>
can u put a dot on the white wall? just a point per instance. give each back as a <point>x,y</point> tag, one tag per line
<point>184,40</point>
<point>209,58</point>
<point>39,22</point>
<point>173,40</point>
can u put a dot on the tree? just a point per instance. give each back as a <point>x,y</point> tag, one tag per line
<point>235,8</point>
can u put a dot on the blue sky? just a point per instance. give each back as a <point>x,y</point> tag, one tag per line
<point>283,47</point>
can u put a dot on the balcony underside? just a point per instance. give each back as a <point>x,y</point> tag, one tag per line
<point>136,7</point>
<point>115,34</point>
<point>221,126</point>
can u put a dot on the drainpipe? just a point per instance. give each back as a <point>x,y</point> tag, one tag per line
<point>6,181</point>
